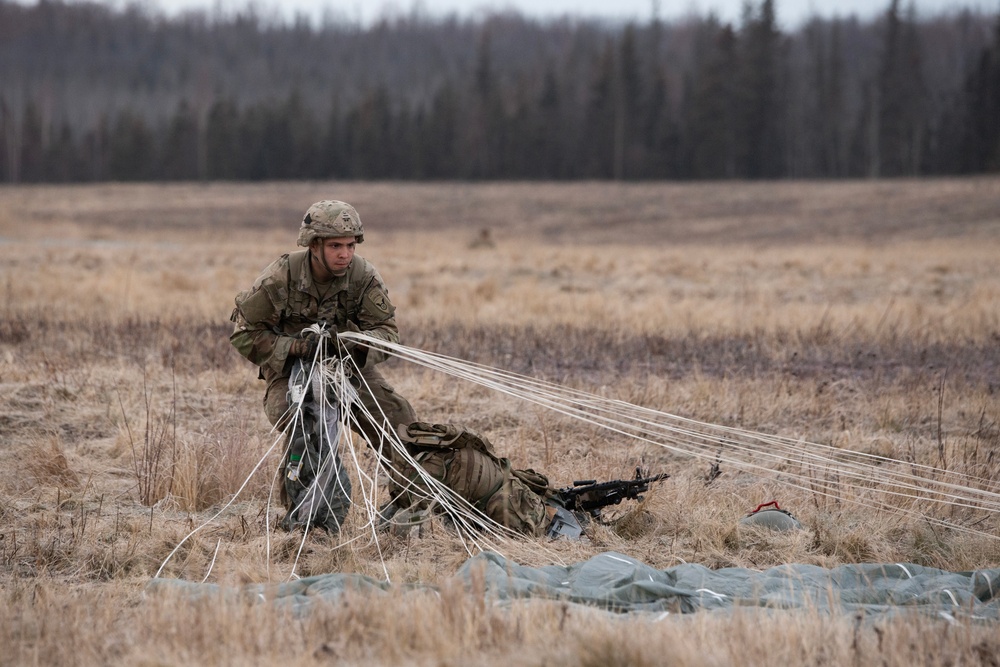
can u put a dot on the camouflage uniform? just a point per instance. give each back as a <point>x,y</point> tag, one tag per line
<point>285,299</point>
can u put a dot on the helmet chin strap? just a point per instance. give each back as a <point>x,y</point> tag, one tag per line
<point>322,260</point>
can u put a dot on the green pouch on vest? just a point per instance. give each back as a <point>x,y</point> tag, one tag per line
<point>535,481</point>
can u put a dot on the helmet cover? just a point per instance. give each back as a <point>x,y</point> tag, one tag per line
<point>329,219</point>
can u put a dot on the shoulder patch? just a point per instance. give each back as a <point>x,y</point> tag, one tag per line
<point>377,303</point>
<point>379,299</point>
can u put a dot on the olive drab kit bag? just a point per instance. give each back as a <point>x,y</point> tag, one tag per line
<point>466,462</point>
<point>316,488</point>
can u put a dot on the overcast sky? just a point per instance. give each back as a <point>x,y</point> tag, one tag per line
<point>790,12</point>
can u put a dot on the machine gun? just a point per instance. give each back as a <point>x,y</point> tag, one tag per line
<point>590,496</point>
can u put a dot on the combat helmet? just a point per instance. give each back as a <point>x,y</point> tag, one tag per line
<point>330,219</point>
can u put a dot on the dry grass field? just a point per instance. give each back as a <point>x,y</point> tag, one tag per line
<point>864,315</point>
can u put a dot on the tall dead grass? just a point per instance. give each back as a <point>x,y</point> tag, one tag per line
<point>456,627</point>
<point>863,316</point>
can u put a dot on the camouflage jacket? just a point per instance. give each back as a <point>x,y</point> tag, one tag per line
<point>285,299</point>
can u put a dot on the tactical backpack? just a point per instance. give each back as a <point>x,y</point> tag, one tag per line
<point>466,463</point>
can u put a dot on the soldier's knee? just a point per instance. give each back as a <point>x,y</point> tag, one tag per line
<point>276,405</point>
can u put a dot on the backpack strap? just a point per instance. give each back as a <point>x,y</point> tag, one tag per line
<point>442,436</point>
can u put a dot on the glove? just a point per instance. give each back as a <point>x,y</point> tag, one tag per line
<point>304,347</point>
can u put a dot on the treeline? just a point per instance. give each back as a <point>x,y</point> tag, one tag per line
<point>89,93</point>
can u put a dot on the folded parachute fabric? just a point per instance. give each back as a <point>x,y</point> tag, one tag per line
<point>618,583</point>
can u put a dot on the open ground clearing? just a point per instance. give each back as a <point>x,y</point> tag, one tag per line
<point>864,315</point>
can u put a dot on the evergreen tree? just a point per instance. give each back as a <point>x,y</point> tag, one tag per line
<point>657,129</point>
<point>6,150</point>
<point>710,141</point>
<point>628,149</point>
<point>180,146</point>
<point>484,125</point>
<point>305,137</point>
<point>981,101</point>
<point>405,143</point>
<point>832,111</point>
<point>601,130</point>
<point>222,141</point>
<point>369,136</point>
<point>901,99</point>
<point>440,140</point>
<point>331,162</point>
<point>32,145</point>
<point>253,158</point>
<point>62,160</point>
<point>277,141</point>
<point>762,111</point>
<point>548,128</point>
<point>131,149</point>
<point>95,150</point>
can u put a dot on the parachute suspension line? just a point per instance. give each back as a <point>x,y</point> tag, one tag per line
<point>334,375</point>
<point>295,413</point>
<point>860,472</point>
<point>294,420</point>
<point>327,450</point>
<point>814,468</point>
<point>597,405</point>
<point>473,528</point>
<point>219,513</point>
<point>476,531</point>
<point>329,379</point>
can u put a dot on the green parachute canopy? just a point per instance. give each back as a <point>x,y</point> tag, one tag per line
<point>618,583</point>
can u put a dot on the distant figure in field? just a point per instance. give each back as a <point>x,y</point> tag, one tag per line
<point>483,240</point>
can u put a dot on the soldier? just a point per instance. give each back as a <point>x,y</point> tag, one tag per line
<point>326,282</point>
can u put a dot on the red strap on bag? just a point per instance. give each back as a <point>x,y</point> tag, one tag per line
<point>763,505</point>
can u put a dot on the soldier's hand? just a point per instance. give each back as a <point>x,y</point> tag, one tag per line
<point>349,345</point>
<point>357,350</point>
<point>304,347</point>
